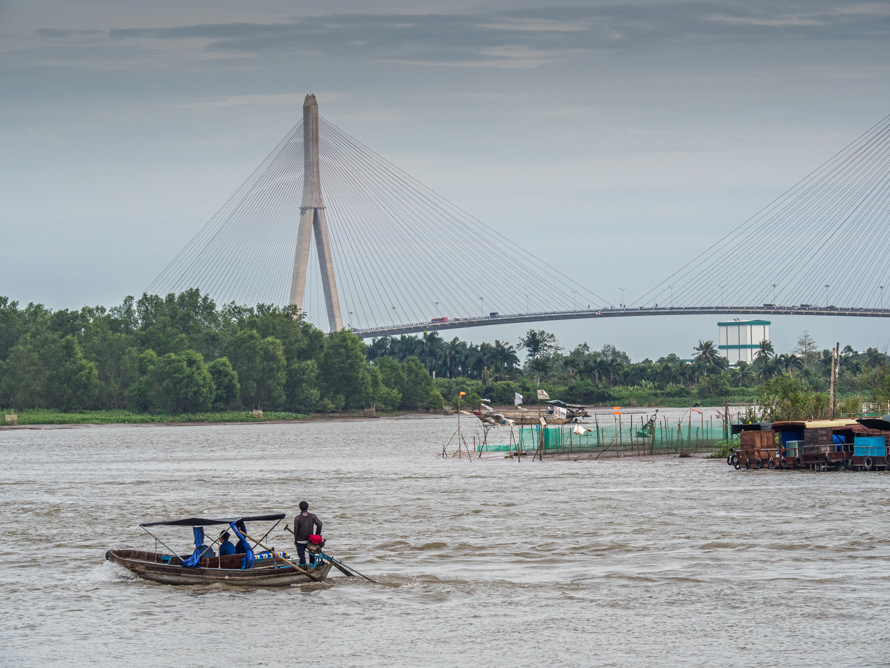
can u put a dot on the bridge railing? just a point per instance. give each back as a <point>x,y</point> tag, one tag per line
<point>609,311</point>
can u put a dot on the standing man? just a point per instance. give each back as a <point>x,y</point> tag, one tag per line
<point>305,525</point>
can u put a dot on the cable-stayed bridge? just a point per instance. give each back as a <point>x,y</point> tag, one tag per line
<point>326,224</point>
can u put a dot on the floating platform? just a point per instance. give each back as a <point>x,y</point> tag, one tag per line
<point>857,445</point>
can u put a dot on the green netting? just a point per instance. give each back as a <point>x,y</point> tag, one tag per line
<point>640,438</point>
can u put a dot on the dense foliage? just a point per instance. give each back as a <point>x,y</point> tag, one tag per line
<point>494,371</point>
<point>181,354</point>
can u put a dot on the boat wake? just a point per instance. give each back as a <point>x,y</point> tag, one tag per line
<point>108,572</point>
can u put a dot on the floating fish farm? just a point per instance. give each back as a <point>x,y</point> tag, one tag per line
<point>816,445</point>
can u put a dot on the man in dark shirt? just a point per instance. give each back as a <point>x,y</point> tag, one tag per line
<point>240,548</point>
<point>305,525</point>
<point>225,545</point>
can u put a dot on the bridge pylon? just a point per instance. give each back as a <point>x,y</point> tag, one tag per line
<point>312,220</point>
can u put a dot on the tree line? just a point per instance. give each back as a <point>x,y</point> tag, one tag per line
<point>586,375</point>
<point>184,354</point>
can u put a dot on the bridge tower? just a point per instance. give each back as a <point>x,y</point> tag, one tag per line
<point>312,219</point>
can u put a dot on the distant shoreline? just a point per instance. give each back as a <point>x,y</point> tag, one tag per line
<point>318,417</point>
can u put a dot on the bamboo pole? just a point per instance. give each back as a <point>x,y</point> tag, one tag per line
<point>289,563</point>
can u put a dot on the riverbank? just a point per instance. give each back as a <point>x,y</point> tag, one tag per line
<point>49,418</point>
<point>43,419</point>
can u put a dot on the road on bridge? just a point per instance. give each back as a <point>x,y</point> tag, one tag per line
<point>460,323</point>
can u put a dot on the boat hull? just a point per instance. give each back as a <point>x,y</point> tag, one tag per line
<point>147,565</point>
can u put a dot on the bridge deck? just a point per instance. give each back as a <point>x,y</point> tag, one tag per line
<point>460,323</point>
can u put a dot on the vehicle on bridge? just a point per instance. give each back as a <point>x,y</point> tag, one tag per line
<point>439,320</point>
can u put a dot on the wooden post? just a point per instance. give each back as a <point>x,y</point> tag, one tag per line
<point>726,420</point>
<point>458,422</point>
<point>832,394</point>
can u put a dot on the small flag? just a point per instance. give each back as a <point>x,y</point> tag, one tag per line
<point>579,430</point>
<point>560,412</point>
<point>543,395</point>
<point>463,394</point>
<point>696,410</point>
<point>517,398</point>
<point>616,410</point>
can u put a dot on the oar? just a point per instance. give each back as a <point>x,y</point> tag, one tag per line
<point>289,563</point>
<point>342,570</point>
<point>340,567</point>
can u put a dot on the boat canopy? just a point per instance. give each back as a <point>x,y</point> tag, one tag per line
<point>814,424</point>
<point>882,423</point>
<point>203,522</point>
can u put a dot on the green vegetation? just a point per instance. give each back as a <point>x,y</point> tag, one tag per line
<point>182,358</point>
<point>793,384</point>
<point>38,416</point>
<point>724,448</point>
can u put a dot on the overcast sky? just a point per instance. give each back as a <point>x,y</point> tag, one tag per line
<point>617,139</point>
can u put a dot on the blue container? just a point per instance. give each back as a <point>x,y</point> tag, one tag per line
<point>869,446</point>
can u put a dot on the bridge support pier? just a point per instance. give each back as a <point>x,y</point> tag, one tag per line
<point>312,219</point>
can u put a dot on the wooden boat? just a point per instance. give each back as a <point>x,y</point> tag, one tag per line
<point>265,569</point>
<point>157,567</point>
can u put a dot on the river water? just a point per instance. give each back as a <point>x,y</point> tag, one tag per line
<point>485,562</point>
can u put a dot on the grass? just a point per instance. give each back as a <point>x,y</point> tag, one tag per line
<point>722,449</point>
<point>34,417</point>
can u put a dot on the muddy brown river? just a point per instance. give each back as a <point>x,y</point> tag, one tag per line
<point>674,562</point>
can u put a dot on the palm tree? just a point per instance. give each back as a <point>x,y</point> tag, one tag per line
<point>573,363</point>
<point>668,374</point>
<point>764,352</point>
<point>612,367</point>
<point>473,363</point>
<point>452,354</point>
<point>743,376</point>
<point>789,363</point>
<point>706,351</point>
<point>766,368</point>
<point>504,358</point>
<point>429,349</point>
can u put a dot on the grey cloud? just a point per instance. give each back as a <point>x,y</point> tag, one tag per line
<point>485,38</point>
